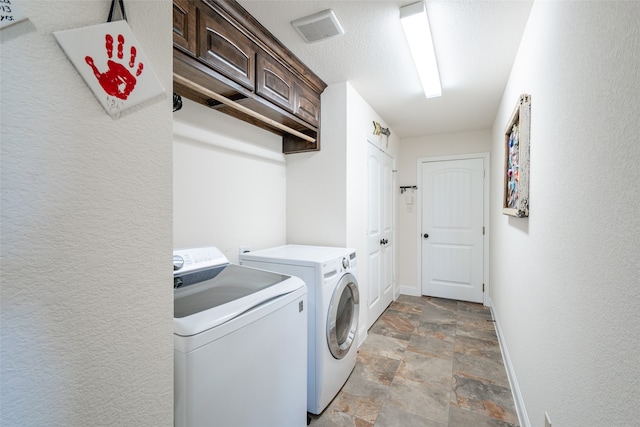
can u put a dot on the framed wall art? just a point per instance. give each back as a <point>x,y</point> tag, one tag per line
<point>515,201</point>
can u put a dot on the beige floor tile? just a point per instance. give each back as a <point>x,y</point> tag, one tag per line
<point>361,398</point>
<point>381,345</point>
<point>480,368</point>
<point>395,324</point>
<point>430,370</point>
<point>422,399</point>
<point>486,399</point>
<point>391,416</point>
<point>376,368</point>
<point>478,347</point>
<point>427,362</point>
<point>432,346</point>
<point>465,418</point>
<point>331,418</point>
<point>407,304</point>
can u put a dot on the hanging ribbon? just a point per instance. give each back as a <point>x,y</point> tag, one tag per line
<point>111,62</point>
<point>113,4</point>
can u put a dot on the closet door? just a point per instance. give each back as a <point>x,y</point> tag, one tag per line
<point>380,233</point>
<point>453,229</point>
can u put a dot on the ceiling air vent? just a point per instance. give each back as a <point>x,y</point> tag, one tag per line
<point>319,26</point>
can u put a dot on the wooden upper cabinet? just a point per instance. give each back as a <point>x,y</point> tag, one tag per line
<point>277,84</point>
<point>274,82</point>
<point>224,48</point>
<point>225,59</point>
<point>184,25</point>
<point>307,104</point>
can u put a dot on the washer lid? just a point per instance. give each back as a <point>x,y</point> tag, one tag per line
<point>208,298</point>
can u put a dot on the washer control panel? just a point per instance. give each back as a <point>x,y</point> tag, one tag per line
<point>194,259</point>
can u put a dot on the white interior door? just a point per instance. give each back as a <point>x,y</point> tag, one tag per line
<point>380,227</point>
<point>452,229</point>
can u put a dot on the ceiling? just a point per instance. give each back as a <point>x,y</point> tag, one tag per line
<point>475,42</point>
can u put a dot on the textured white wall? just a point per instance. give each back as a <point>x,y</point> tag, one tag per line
<point>360,117</point>
<point>327,190</point>
<point>411,149</point>
<point>565,283</point>
<point>359,122</point>
<point>316,190</point>
<point>86,231</point>
<point>229,182</point>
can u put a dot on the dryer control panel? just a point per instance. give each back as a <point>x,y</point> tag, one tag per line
<point>346,263</point>
<point>349,261</point>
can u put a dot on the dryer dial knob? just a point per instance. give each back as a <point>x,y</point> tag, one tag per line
<point>178,262</point>
<point>345,263</point>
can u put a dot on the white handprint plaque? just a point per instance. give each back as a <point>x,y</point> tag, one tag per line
<point>10,13</point>
<point>111,62</point>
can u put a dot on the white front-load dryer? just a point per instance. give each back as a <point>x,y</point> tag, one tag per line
<point>330,274</point>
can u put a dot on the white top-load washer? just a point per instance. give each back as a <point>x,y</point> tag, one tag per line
<point>330,274</point>
<point>240,354</point>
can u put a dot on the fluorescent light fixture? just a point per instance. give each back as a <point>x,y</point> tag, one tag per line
<point>415,23</point>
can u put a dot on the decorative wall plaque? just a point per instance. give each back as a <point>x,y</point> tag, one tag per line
<point>112,63</point>
<point>515,201</point>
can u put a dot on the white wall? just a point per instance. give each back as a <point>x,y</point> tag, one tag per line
<point>411,149</point>
<point>327,190</point>
<point>565,283</point>
<point>316,181</point>
<point>229,181</point>
<point>86,231</point>
<point>360,117</point>
<point>359,121</point>
<point>233,186</point>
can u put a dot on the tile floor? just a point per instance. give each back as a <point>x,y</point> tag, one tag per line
<point>426,362</point>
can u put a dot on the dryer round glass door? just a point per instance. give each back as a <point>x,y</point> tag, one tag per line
<point>342,319</point>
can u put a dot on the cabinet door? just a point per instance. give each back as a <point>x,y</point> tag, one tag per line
<point>307,104</point>
<point>274,82</point>
<point>184,25</point>
<point>223,47</point>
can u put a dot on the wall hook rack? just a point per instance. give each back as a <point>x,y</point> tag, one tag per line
<point>404,188</point>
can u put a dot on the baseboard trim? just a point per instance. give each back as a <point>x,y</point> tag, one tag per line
<point>513,382</point>
<point>362,335</point>
<point>408,290</point>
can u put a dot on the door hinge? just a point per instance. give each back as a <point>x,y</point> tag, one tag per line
<point>483,230</point>
<point>483,287</point>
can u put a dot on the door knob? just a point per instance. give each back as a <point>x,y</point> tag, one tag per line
<point>425,235</point>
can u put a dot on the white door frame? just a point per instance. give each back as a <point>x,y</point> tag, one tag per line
<point>486,157</point>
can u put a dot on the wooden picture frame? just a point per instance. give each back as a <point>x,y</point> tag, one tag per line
<point>515,200</point>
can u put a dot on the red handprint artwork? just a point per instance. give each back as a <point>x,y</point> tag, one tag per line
<point>117,80</point>
<point>110,60</point>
